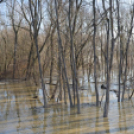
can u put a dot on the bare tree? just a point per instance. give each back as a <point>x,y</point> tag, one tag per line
<point>16,26</point>
<point>32,56</point>
<point>36,15</point>
<point>61,50</point>
<point>127,47</point>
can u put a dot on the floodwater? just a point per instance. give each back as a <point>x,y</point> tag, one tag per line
<point>20,113</point>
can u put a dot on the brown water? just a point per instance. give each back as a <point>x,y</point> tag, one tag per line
<point>20,113</point>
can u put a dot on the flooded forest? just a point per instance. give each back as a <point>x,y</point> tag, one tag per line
<point>66,66</point>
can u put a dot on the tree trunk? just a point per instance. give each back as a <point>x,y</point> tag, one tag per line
<point>106,106</point>
<point>40,70</point>
<point>52,55</point>
<point>127,47</point>
<point>28,72</point>
<point>118,9</point>
<point>73,60</point>
<point>62,55</point>
<point>52,60</point>
<point>95,75</point>
<point>15,51</point>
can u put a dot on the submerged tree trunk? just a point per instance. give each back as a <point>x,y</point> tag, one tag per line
<point>94,46</point>
<point>62,55</point>
<point>28,71</point>
<point>106,106</point>
<point>60,73</point>
<point>127,47</point>
<point>120,41</point>
<point>36,11</point>
<point>64,87</point>
<point>73,59</point>
<point>40,71</point>
<point>52,57</point>
<point>15,52</point>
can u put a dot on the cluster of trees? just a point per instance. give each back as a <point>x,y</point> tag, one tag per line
<point>41,38</point>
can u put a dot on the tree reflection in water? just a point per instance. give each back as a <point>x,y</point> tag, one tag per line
<point>21,113</point>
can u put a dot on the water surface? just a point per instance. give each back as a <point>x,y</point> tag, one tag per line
<point>20,113</point>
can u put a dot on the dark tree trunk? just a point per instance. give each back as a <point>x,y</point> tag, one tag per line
<point>94,47</point>
<point>28,71</point>
<point>118,9</point>
<point>15,52</point>
<point>52,58</point>
<point>73,59</point>
<point>106,106</point>
<point>40,70</point>
<point>52,55</point>
<point>112,34</point>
